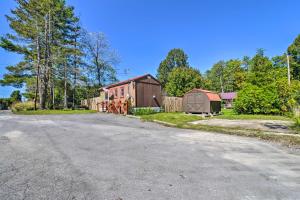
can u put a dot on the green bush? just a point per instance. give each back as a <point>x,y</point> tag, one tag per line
<point>143,111</point>
<point>23,106</point>
<point>297,122</point>
<point>258,100</point>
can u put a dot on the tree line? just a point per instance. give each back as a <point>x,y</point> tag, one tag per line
<point>261,82</point>
<point>61,62</point>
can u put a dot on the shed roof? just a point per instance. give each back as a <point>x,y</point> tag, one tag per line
<point>228,95</point>
<point>129,80</point>
<point>212,96</point>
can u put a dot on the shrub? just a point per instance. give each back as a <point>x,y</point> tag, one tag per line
<point>23,106</point>
<point>143,111</point>
<point>297,122</point>
<point>258,100</point>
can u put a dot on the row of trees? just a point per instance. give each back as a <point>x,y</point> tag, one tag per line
<point>261,82</point>
<point>62,63</point>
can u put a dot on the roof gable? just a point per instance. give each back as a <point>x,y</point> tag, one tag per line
<point>130,80</point>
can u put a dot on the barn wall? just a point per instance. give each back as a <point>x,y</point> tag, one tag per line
<point>129,91</point>
<point>196,102</point>
<point>145,90</point>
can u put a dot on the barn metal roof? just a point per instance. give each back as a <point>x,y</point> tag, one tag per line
<point>129,80</point>
<point>212,96</point>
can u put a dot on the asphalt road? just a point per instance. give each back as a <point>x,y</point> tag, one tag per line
<point>100,156</point>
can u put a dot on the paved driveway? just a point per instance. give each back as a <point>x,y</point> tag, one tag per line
<point>101,156</point>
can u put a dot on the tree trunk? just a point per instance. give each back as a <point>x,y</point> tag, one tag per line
<point>37,89</point>
<point>65,86</point>
<point>46,67</point>
<point>75,76</point>
<point>50,72</point>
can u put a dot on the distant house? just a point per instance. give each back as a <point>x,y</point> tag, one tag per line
<point>201,101</point>
<point>142,91</point>
<point>228,98</point>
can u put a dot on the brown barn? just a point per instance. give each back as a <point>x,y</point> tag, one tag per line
<point>201,101</point>
<point>142,91</point>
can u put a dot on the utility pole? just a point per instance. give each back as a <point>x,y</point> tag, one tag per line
<point>288,65</point>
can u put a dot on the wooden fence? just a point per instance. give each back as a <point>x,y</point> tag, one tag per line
<point>172,104</point>
<point>92,103</point>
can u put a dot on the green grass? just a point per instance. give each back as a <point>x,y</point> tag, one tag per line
<point>230,114</point>
<point>180,120</point>
<point>54,112</point>
<point>296,126</point>
<point>173,118</point>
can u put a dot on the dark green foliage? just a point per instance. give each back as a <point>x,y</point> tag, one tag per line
<point>16,96</point>
<point>143,111</point>
<point>182,80</point>
<point>5,103</point>
<point>253,99</point>
<point>225,76</point>
<point>260,70</point>
<point>294,52</point>
<point>297,122</point>
<point>265,89</point>
<point>175,58</point>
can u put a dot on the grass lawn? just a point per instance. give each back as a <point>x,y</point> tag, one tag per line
<point>54,112</point>
<point>180,120</point>
<point>173,118</point>
<point>229,114</point>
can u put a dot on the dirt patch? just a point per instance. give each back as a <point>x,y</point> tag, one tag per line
<point>264,125</point>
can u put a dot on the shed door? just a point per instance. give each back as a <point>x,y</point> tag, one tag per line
<point>195,102</point>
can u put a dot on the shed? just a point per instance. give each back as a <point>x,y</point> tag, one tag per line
<point>201,101</point>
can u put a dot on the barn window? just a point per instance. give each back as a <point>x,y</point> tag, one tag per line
<point>116,92</point>
<point>122,91</point>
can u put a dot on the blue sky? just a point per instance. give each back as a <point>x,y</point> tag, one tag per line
<point>143,31</point>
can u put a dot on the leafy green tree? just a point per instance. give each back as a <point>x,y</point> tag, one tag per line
<point>182,80</point>
<point>234,76</point>
<point>216,76</point>
<point>16,96</point>
<point>294,52</point>
<point>175,58</point>
<point>45,32</point>
<point>260,69</point>
<point>226,76</point>
<point>266,90</point>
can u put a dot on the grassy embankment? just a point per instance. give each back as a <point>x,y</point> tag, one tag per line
<point>180,120</point>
